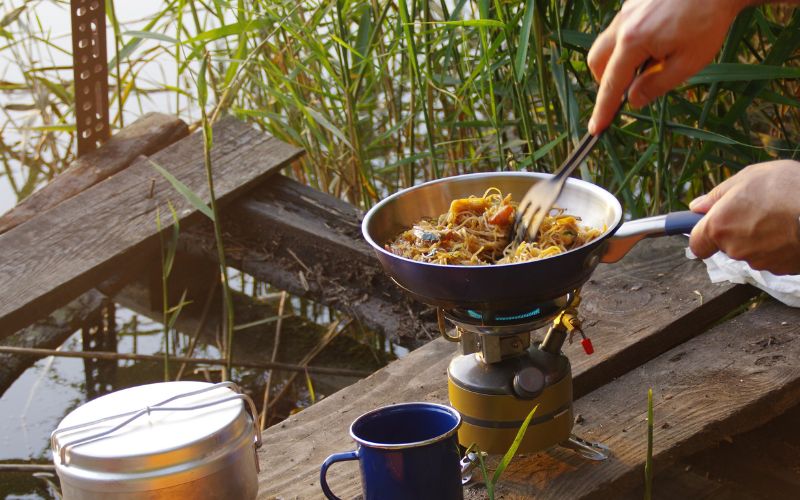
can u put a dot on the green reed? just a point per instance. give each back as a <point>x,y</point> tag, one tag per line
<point>385,94</point>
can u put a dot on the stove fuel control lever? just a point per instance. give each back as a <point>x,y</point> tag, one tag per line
<point>565,324</point>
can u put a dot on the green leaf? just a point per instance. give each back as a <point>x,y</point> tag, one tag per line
<point>703,135</point>
<point>52,128</point>
<point>512,450</point>
<point>575,38</point>
<point>202,86</point>
<point>328,125</point>
<point>230,29</point>
<point>20,107</point>
<point>172,246</point>
<point>184,190</point>
<point>125,52</point>
<point>150,35</point>
<point>542,151</point>
<point>12,16</point>
<point>346,46</point>
<point>175,311</point>
<point>539,154</point>
<point>521,62</point>
<point>364,31</point>
<point>310,387</point>
<point>737,72</point>
<point>259,322</point>
<point>473,23</point>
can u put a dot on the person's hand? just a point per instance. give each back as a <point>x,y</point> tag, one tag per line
<point>681,36</point>
<point>753,216</point>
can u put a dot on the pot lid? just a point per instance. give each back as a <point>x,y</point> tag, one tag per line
<point>150,426</point>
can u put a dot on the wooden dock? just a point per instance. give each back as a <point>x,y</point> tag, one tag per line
<point>722,361</point>
<point>649,318</point>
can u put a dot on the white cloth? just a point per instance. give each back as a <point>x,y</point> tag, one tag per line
<point>722,268</point>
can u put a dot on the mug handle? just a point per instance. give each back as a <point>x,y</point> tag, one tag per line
<point>336,457</point>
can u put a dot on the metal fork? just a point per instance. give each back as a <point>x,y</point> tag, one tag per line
<point>539,199</point>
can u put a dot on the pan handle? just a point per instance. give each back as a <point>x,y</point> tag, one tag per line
<point>630,233</point>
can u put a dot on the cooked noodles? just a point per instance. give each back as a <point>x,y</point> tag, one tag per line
<point>477,231</point>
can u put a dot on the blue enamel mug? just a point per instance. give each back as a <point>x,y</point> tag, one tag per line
<point>405,451</point>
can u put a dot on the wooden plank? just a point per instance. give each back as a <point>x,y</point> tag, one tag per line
<point>761,464</point>
<point>145,136</point>
<point>309,243</point>
<point>298,446</point>
<point>733,378</point>
<point>652,300</point>
<point>150,133</point>
<point>89,236</point>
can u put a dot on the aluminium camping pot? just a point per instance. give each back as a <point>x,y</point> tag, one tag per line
<point>160,441</point>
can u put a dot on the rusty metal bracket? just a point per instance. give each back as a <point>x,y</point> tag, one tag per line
<point>90,72</point>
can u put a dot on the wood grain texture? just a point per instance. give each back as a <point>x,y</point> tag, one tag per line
<point>149,133</point>
<point>309,243</point>
<point>145,136</point>
<point>731,379</point>
<point>762,464</point>
<point>70,249</point>
<point>621,315</point>
<point>651,301</point>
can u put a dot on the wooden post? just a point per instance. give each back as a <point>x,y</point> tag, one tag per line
<point>90,73</point>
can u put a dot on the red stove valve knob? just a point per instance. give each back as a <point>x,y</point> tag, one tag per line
<point>588,348</point>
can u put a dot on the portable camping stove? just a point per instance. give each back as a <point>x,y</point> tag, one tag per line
<point>501,375</point>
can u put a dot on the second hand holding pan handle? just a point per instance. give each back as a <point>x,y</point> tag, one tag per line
<point>630,233</point>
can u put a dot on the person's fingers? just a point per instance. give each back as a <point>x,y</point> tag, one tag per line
<point>627,56</point>
<point>703,203</point>
<point>601,51</point>
<point>699,241</point>
<point>656,80</point>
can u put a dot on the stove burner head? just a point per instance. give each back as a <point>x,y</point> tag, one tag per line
<point>499,322</point>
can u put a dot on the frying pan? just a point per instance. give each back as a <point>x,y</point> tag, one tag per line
<point>508,286</point>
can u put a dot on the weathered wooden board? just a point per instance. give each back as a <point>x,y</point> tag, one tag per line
<point>649,302</point>
<point>762,464</point>
<point>71,248</point>
<point>150,133</point>
<point>298,446</point>
<point>731,379</point>
<point>309,243</point>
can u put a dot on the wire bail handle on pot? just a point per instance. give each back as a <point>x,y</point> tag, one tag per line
<point>63,448</point>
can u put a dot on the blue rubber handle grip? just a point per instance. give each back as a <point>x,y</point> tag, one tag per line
<point>681,222</point>
<point>323,471</point>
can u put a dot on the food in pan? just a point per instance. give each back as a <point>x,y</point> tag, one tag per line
<point>477,231</point>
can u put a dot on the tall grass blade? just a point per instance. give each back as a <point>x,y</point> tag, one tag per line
<point>648,464</point>
<point>521,61</point>
<point>184,190</point>
<point>512,450</point>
